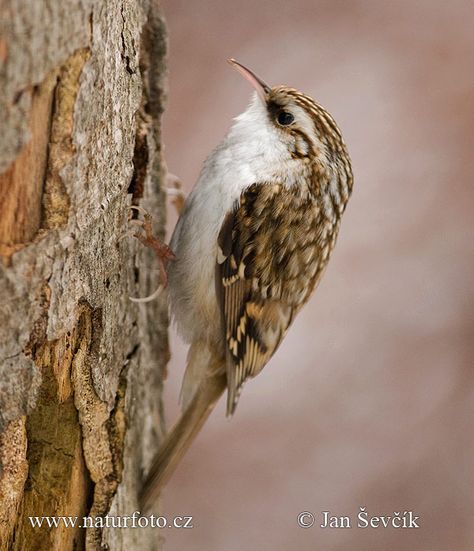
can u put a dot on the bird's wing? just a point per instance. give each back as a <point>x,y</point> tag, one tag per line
<point>267,265</point>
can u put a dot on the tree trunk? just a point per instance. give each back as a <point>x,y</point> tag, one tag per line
<point>81,97</point>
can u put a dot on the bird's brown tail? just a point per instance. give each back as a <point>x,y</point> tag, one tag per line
<point>178,440</point>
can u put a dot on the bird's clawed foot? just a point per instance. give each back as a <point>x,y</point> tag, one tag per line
<point>162,250</point>
<point>175,192</point>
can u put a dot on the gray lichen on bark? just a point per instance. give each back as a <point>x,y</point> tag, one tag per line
<point>81,97</point>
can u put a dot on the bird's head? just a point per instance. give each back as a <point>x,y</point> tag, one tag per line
<point>306,129</point>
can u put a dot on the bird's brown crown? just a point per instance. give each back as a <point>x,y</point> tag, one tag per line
<point>297,114</point>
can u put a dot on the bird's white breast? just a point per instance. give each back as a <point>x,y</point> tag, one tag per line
<point>251,152</point>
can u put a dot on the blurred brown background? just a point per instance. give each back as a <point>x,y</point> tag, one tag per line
<point>369,401</point>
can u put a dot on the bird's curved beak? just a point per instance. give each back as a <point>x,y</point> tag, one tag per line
<point>263,89</point>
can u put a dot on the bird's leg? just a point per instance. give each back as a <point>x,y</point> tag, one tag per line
<point>175,192</point>
<point>163,252</point>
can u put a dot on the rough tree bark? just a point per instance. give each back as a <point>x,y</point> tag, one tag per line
<point>81,367</point>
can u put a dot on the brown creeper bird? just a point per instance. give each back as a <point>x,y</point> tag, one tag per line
<point>251,244</point>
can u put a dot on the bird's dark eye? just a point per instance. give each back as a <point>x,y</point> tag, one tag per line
<point>285,118</point>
